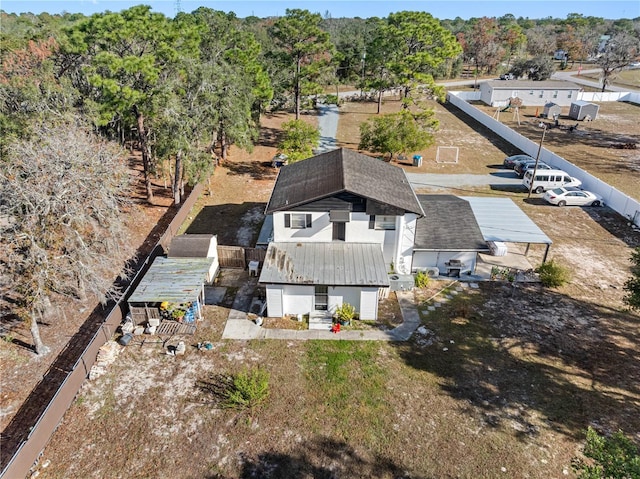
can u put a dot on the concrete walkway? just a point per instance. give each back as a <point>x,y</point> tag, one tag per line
<point>239,326</point>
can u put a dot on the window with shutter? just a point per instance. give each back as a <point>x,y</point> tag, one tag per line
<point>297,221</point>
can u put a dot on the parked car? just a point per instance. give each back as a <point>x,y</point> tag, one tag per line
<point>279,160</point>
<point>521,167</point>
<point>548,180</point>
<point>572,197</point>
<point>507,76</point>
<point>510,161</point>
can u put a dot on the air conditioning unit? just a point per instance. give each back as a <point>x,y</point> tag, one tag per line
<point>401,282</point>
<point>432,272</point>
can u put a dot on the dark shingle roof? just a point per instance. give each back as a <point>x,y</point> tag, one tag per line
<point>448,225</point>
<point>341,170</point>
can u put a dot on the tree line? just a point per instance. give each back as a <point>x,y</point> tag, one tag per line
<point>182,90</point>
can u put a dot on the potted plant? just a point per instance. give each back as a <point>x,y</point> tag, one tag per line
<point>345,313</point>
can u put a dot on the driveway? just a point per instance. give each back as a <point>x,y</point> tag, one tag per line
<point>500,178</point>
<point>328,126</point>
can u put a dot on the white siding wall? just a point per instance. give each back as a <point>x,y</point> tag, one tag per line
<point>297,299</point>
<point>343,294</point>
<point>369,303</point>
<point>320,230</point>
<point>424,259</point>
<point>427,259</point>
<point>291,299</point>
<point>358,230</point>
<point>274,300</point>
<point>407,235</point>
<point>397,245</point>
<point>530,96</point>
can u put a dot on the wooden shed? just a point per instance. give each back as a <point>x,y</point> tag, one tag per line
<point>171,286</point>
<point>551,110</point>
<point>583,110</point>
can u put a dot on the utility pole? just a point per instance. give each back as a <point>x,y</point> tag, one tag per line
<point>364,57</point>
<point>535,167</point>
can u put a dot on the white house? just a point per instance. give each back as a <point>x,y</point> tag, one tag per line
<point>342,222</point>
<point>532,93</point>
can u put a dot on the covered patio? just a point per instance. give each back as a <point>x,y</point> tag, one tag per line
<point>170,296</point>
<point>502,221</point>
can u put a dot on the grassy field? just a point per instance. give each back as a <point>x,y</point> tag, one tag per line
<point>499,381</point>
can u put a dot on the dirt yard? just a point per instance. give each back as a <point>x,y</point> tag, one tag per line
<point>505,377</point>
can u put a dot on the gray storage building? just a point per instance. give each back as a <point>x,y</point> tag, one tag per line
<point>581,109</point>
<point>551,109</point>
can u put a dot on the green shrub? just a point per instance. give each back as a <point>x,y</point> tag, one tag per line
<point>248,389</point>
<point>421,280</point>
<point>331,99</point>
<point>553,274</point>
<point>613,457</point>
<point>345,312</point>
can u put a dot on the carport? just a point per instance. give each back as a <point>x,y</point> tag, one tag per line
<point>501,220</point>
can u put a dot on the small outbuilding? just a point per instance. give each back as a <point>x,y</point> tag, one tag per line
<point>172,290</point>
<point>551,111</point>
<point>583,110</point>
<point>196,246</point>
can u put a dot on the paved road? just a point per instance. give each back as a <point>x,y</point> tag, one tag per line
<point>573,77</point>
<point>328,126</point>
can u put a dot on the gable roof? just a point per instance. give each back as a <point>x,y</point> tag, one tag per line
<point>448,225</point>
<point>190,246</point>
<point>532,85</point>
<point>338,171</point>
<point>333,264</point>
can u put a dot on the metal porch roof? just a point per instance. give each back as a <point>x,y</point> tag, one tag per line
<point>332,264</point>
<point>500,219</point>
<point>177,280</point>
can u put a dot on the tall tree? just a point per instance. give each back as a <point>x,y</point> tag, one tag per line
<point>484,44</point>
<point>61,232</point>
<point>620,50</point>
<point>30,89</point>
<point>304,43</point>
<point>397,133</point>
<point>122,61</point>
<point>536,69</point>
<point>541,40</point>
<point>419,44</point>
<point>580,36</point>
<point>513,39</point>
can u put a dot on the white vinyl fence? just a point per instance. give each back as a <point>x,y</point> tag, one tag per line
<point>613,198</point>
